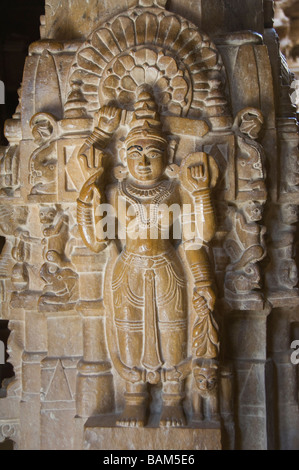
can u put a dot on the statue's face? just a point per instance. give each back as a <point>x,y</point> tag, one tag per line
<point>206,379</point>
<point>289,273</point>
<point>47,215</point>
<point>251,125</point>
<point>290,214</point>
<point>42,132</point>
<point>254,211</point>
<point>146,159</point>
<point>21,215</point>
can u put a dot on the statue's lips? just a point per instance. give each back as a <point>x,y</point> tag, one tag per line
<point>144,171</point>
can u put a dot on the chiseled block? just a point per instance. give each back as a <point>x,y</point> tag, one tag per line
<point>118,438</point>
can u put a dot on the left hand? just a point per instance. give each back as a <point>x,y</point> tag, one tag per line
<point>90,186</point>
<point>204,297</point>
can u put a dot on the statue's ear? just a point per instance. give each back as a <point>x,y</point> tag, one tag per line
<point>123,155</point>
<point>122,151</point>
<point>120,172</point>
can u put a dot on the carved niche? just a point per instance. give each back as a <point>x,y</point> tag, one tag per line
<point>143,203</point>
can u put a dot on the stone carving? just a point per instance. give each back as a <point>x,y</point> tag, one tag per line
<point>9,163</point>
<point>137,274</point>
<point>16,249</point>
<point>57,272</point>
<point>149,292</point>
<point>205,399</point>
<point>250,156</point>
<point>289,155</point>
<point>282,275</point>
<point>245,245</point>
<point>43,161</point>
<point>9,429</point>
<point>55,229</point>
<point>154,47</point>
<point>61,288</point>
<point>10,158</point>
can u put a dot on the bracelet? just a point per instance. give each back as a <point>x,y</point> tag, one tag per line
<point>201,192</point>
<point>203,203</point>
<point>84,213</point>
<point>201,273</point>
<point>99,137</point>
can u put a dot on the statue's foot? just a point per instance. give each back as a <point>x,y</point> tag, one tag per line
<point>133,416</point>
<point>173,416</point>
<point>197,417</point>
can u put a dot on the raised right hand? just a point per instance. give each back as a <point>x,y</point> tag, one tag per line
<point>109,119</point>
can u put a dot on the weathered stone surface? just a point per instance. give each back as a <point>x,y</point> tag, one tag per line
<point>148,200</point>
<point>107,438</point>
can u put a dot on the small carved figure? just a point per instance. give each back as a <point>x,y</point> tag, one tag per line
<point>147,280</point>
<point>9,170</point>
<point>205,401</point>
<point>282,274</point>
<point>245,246</point>
<point>250,155</point>
<point>292,171</point>
<point>43,161</point>
<point>61,280</point>
<point>61,288</point>
<point>56,234</point>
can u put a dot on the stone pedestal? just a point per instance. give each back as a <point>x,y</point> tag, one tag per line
<point>100,435</point>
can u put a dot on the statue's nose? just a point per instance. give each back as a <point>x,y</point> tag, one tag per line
<point>144,160</point>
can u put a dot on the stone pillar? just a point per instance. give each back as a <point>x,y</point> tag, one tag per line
<point>285,377</point>
<point>95,388</point>
<point>246,346</point>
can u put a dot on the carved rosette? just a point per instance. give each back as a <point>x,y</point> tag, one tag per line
<point>9,429</point>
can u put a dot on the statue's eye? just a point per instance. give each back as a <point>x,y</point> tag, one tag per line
<point>134,155</point>
<point>155,154</point>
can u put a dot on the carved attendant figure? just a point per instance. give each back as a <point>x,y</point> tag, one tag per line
<point>148,282</point>
<point>205,398</point>
<point>43,161</point>
<point>250,168</point>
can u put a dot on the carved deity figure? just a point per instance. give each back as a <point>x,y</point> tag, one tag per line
<point>43,161</point>
<point>147,281</point>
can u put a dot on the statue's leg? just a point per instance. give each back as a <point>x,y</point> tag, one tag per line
<point>173,335</point>
<point>129,326</point>
<point>197,407</point>
<point>135,413</point>
<point>173,414</point>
